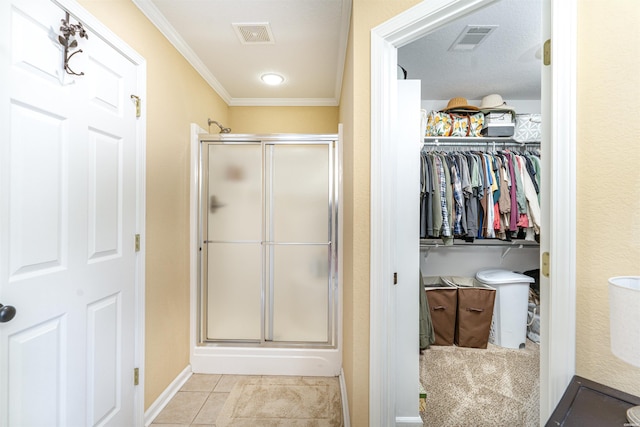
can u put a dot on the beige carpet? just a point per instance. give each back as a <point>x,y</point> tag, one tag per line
<point>287,401</point>
<point>485,388</point>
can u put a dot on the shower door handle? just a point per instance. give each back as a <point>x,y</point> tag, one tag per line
<point>7,313</point>
<point>214,204</point>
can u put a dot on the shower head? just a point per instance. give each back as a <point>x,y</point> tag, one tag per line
<point>222,128</point>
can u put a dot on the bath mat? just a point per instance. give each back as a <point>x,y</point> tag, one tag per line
<point>283,401</point>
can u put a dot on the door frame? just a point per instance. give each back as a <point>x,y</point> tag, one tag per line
<point>557,358</point>
<point>93,24</point>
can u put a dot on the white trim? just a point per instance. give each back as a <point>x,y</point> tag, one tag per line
<point>90,22</point>
<point>141,185</point>
<point>385,39</point>
<point>382,314</point>
<point>161,23</point>
<point>346,419</point>
<point>342,49</point>
<point>194,186</point>
<point>409,421</point>
<point>283,102</point>
<point>165,397</point>
<point>562,246</point>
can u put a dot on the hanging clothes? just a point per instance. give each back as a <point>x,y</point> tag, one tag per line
<point>474,194</point>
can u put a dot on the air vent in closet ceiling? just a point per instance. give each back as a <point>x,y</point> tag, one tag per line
<point>254,33</point>
<point>471,37</point>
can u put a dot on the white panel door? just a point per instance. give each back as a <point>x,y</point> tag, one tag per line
<point>67,225</point>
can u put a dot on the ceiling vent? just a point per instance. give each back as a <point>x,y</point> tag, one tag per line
<point>471,37</point>
<point>254,33</point>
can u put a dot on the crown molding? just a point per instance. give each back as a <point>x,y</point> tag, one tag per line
<point>157,18</point>
<point>283,102</point>
<point>342,49</point>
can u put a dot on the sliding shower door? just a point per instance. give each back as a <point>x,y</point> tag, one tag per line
<point>233,245</point>
<point>269,262</point>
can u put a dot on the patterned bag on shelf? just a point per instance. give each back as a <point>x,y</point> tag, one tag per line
<point>438,124</point>
<point>528,128</point>
<point>467,125</point>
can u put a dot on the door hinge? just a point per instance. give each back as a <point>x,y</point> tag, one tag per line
<point>136,376</point>
<point>137,243</point>
<point>137,100</point>
<point>545,264</point>
<point>547,52</point>
<point>395,278</point>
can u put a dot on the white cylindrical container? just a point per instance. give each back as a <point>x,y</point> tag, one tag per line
<point>624,318</point>
<point>509,323</point>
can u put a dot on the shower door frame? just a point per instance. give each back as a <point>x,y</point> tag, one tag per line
<point>266,240</point>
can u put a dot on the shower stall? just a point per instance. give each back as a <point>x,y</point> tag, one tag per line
<point>268,295</point>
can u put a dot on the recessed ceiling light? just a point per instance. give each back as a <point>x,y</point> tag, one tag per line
<point>272,79</point>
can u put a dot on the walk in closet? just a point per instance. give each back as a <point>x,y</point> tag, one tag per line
<point>496,50</point>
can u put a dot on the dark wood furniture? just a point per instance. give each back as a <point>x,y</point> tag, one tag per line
<point>587,403</point>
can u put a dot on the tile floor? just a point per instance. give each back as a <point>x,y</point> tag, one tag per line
<point>199,401</point>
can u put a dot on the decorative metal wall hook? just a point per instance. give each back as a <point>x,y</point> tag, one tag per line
<point>67,39</point>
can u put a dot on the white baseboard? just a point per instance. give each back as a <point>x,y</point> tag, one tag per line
<point>409,421</point>
<point>266,361</point>
<point>346,420</point>
<point>166,396</point>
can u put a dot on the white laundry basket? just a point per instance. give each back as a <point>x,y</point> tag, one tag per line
<point>509,323</point>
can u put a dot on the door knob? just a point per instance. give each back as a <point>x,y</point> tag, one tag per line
<point>7,313</point>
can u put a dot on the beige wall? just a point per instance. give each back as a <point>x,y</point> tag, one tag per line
<point>176,97</point>
<point>355,116</point>
<point>608,205</point>
<point>283,120</point>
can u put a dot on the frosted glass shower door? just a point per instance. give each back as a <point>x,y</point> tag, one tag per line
<point>233,230</point>
<point>298,242</point>
<point>268,225</point>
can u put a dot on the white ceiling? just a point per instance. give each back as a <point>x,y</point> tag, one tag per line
<point>508,62</point>
<point>310,39</point>
<point>309,50</point>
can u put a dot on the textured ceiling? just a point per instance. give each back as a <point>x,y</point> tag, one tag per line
<point>310,38</point>
<point>508,62</point>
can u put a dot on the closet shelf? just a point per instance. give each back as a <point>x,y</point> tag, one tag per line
<point>480,141</point>
<point>518,243</point>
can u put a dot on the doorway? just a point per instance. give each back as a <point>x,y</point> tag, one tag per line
<point>558,344</point>
<point>494,49</point>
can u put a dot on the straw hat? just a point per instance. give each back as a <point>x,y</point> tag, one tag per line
<point>459,103</point>
<point>494,102</point>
